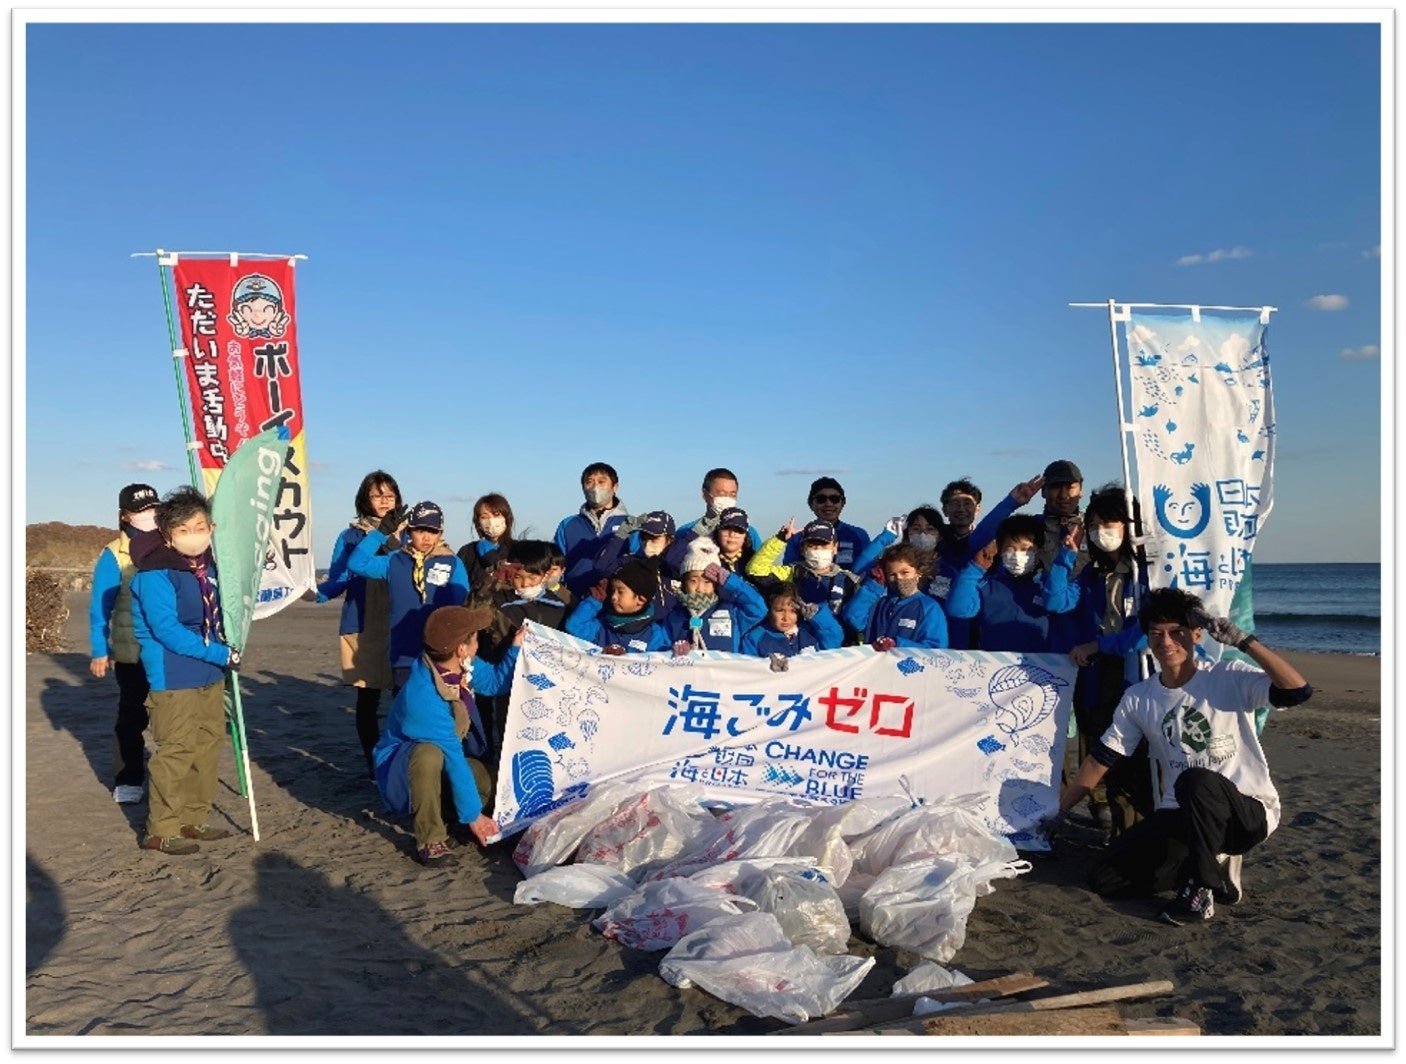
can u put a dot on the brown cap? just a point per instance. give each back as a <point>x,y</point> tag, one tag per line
<point>449,626</point>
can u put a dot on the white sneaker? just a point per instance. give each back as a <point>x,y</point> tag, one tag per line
<point>128,794</point>
<point>1230,869</point>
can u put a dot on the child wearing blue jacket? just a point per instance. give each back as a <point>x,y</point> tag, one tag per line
<point>896,613</point>
<point>423,574</point>
<point>1018,607</point>
<point>631,623</point>
<point>434,736</point>
<point>715,608</point>
<point>792,626</point>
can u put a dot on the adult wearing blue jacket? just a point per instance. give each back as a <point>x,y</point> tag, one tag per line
<point>581,536</point>
<point>719,495</point>
<point>112,639</point>
<point>364,628</point>
<point>180,632</point>
<point>429,762</point>
<point>826,500</point>
<point>896,613</point>
<point>420,576</point>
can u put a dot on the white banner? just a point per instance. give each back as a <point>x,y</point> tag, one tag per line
<point>835,726</point>
<point>1203,412</point>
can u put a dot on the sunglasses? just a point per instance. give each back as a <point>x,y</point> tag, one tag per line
<point>828,498</point>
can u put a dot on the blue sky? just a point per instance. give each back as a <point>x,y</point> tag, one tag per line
<point>787,249</point>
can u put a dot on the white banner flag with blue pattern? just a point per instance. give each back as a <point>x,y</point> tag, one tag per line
<point>1203,416</point>
<point>834,726</point>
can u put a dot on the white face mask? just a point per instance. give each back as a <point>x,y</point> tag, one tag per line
<point>191,544</point>
<point>1018,562</point>
<point>597,495</point>
<point>818,559</point>
<point>923,540</point>
<point>723,502</point>
<point>1108,537</point>
<point>494,526</point>
<point>144,521</point>
<point>653,547</point>
<point>535,591</point>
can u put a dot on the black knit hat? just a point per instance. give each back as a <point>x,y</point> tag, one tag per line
<point>640,577</point>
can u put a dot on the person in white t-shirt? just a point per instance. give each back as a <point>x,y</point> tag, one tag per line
<point>1199,722</point>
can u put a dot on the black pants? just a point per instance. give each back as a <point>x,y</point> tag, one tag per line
<point>132,689</point>
<point>493,709</point>
<point>368,725</point>
<point>1173,845</point>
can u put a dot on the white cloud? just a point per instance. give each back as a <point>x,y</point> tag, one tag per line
<point>818,471</point>
<point>1373,252</point>
<point>146,465</point>
<point>1328,302</point>
<point>1237,252</point>
<point>1359,354</point>
<point>314,466</point>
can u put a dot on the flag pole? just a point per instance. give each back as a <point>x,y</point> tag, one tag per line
<point>242,753</point>
<point>235,722</point>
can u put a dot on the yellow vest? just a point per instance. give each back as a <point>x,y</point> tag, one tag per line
<point>122,635</point>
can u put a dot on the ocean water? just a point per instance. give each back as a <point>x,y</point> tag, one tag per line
<point>1334,608</point>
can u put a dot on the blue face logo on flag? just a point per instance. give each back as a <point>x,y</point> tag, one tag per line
<point>258,308</point>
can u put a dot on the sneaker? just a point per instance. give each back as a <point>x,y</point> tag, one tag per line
<point>128,793</point>
<point>170,844</point>
<point>1192,905</point>
<point>1230,892</point>
<point>433,854</point>
<point>205,833</point>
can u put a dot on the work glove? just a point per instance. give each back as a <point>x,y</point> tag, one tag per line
<point>682,648</point>
<point>393,520</point>
<point>235,661</point>
<point>627,526</point>
<point>716,573</point>
<point>614,650</point>
<point>780,663</point>
<point>1221,629</point>
<point>600,588</point>
<point>896,525</point>
<point>807,610</point>
<point>883,644</point>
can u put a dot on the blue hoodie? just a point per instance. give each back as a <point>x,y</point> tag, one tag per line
<point>168,613</point>
<point>446,584</point>
<point>916,620</point>
<point>1029,614</point>
<point>637,634</point>
<point>821,632</point>
<point>738,609</point>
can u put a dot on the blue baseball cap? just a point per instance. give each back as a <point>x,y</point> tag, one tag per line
<point>428,516</point>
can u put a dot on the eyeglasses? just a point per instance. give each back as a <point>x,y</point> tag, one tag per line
<point>383,495</point>
<point>829,498</point>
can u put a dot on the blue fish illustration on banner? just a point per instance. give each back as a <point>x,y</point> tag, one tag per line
<point>1204,445</point>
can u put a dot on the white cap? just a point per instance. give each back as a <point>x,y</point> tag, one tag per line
<point>702,552</point>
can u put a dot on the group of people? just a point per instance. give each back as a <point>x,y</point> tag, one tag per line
<point>439,630</point>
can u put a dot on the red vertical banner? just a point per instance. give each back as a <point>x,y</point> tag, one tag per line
<point>239,327</point>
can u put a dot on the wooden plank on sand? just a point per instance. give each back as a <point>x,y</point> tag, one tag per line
<point>1102,996</point>
<point>1091,1020</point>
<point>1162,1025</point>
<point>863,1011</point>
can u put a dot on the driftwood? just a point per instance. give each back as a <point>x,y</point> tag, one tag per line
<point>973,1019</point>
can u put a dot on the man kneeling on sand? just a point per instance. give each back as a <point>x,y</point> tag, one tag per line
<point>428,759</point>
<point>1199,722</point>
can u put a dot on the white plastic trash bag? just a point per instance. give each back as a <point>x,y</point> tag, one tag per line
<point>769,828</point>
<point>658,914</point>
<point>805,905</point>
<point>927,977</point>
<point>575,886</point>
<point>747,961</point>
<point>924,906</point>
<point>948,827</point>
<point>824,839</point>
<point>553,839</point>
<point>648,830</point>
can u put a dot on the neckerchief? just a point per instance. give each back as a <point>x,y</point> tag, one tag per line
<point>211,625</point>
<point>456,689</point>
<point>417,575</point>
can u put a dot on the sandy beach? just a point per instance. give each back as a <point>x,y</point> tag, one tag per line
<point>327,927</point>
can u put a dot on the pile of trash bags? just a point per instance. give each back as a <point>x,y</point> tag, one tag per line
<point>756,904</point>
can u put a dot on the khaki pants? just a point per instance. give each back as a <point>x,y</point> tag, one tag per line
<point>432,799</point>
<point>188,727</point>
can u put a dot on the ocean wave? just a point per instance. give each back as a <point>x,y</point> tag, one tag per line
<point>1352,620</point>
